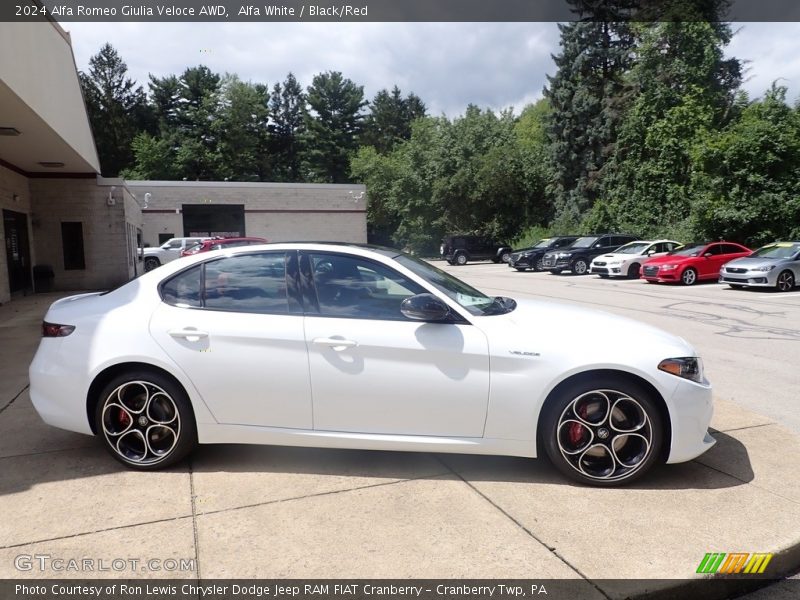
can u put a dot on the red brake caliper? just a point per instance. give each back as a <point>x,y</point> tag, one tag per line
<point>576,430</point>
<point>124,418</point>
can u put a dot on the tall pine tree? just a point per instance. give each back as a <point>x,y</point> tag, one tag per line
<point>117,109</point>
<point>287,106</point>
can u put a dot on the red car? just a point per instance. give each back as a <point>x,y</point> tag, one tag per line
<point>692,262</point>
<point>219,243</point>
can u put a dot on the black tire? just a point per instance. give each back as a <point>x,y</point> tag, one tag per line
<point>556,271</point>
<point>580,267</point>
<point>538,266</point>
<point>735,286</point>
<point>785,281</point>
<point>603,275</point>
<point>505,256</point>
<point>571,433</point>
<point>520,269</point>
<point>151,263</point>
<point>461,259</point>
<point>633,271</point>
<point>689,276</point>
<point>164,418</point>
<point>450,262</point>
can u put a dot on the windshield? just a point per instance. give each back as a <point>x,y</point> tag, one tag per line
<point>543,243</point>
<point>633,248</point>
<point>584,242</point>
<point>691,250</point>
<point>779,250</point>
<point>477,303</point>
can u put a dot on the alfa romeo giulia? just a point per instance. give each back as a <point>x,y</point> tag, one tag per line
<point>346,346</point>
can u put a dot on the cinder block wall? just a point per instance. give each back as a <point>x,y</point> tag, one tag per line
<point>12,184</point>
<point>277,211</point>
<point>104,231</point>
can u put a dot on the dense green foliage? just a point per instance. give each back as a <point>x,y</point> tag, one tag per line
<point>643,129</point>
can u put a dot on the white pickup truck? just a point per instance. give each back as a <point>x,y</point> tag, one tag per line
<point>167,252</point>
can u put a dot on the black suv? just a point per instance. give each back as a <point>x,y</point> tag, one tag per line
<point>531,258</point>
<point>459,249</point>
<point>579,255</point>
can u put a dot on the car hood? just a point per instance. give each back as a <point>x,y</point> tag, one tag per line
<point>566,325</point>
<point>749,262</point>
<point>616,256</point>
<point>668,259</point>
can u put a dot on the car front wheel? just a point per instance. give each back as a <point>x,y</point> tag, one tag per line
<point>579,267</point>
<point>689,276</point>
<point>785,282</point>
<point>539,265</point>
<point>145,421</point>
<point>603,431</point>
<point>633,271</point>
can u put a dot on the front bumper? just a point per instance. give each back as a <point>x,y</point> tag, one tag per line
<point>750,278</point>
<point>523,262</point>
<point>611,271</point>
<point>660,275</point>
<point>691,412</point>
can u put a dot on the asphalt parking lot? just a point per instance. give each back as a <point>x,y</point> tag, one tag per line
<point>238,511</point>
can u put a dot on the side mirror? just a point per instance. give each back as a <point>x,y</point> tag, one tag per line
<point>708,255</point>
<point>425,307</point>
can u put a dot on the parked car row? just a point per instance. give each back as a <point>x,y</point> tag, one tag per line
<point>776,265</point>
<point>188,246</point>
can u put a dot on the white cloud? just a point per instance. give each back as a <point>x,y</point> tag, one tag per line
<point>449,65</point>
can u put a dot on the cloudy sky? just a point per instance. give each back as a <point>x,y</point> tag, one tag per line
<point>449,65</point>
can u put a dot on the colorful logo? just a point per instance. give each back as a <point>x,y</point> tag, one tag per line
<point>734,562</point>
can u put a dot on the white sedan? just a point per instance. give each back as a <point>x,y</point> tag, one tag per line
<point>345,346</point>
<point>626,261</point>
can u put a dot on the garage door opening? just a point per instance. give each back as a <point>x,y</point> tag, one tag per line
<point>211,220</point>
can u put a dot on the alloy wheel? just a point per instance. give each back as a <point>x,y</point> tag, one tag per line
<point>141,423</point>
<point>785,281</point>
<point>689,276</point>
<point>580,267</point>
<point>605,435</point>
<point>539,264</point>
<point>461,259</point>
<point>150,264</point>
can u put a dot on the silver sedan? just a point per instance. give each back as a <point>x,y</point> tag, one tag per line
<point>775,265</point>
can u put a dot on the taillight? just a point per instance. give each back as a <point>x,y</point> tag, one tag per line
<point>56,330</point>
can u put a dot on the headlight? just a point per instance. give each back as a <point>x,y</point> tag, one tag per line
<point>563,255</point>
<point>668,267</point>
<point>688,367</point>
<point>764,269</point>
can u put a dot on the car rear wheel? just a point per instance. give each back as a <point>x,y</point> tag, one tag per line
<point>151,263</point>
<point>145,420</point>
<point>633,271</point>
<point>505,256</point>
<point>461,259</point>
<point>785,282</point>
<point>689,276</point>
<point>604,431</point>
<point>579,267</point>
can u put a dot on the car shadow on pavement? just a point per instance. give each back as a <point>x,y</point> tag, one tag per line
<point>367,466</point>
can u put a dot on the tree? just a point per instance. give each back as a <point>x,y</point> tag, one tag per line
<point>240,130</point>
<point>390,118</point>
<point>196,143</point>
<point>684,88</point>
<point>332,125</point>
<point>744,184</point>
<point>586,96</point>
<point>287,106</point>
<point>117,109</point>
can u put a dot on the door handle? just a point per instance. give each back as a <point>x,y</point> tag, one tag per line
<point>189,334</point>
<point>334,343</point>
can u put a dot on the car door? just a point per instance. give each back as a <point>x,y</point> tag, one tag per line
<point>711,261</point>
<point>375,371</point>
<point>233,329</point>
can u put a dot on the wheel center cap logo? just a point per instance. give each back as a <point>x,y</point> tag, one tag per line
<point>602,433</point>
<point>142,420</point>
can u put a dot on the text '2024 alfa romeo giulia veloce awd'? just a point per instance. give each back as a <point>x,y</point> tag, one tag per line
<point>344,346</point>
